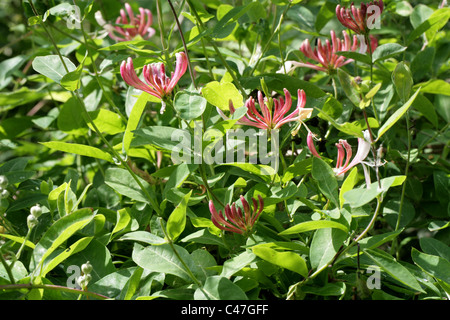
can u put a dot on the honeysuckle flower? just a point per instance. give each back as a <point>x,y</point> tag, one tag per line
<point>360,20</point>
<point>273,111</point>
<point>158,83</point>
<point>325,54</point>
<point>132,25</point>
<point>345,152</point>
<point>235,220</point>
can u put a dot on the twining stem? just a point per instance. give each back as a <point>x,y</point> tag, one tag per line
<point>96,74</point>
<point>191,72</point>
<point>23,244</point>
<point>369,44</point>
<point>31,286</point>
<point>408,159</point>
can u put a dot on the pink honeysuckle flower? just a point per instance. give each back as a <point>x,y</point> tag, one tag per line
<point>360,20</point>
<point>234,220</point>
<point>273,120</point>
<point>132,25</point>
<point>344,152</point>
<point>326,55</point>
<point>158,83</point>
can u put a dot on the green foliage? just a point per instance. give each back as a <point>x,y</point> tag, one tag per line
<point>121,177</point>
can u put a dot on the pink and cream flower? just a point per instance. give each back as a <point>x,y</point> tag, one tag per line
<point>234,219</point>
<point>362,19</point>
<point>157,84</point>
<point>126,28</point>
<point>273,113</point>
<point>345,152</point>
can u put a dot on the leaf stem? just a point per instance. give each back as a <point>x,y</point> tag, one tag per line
<point>31,286</point>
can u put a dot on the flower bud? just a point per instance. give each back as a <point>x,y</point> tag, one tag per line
<point>86,268</point>
<point>3,181</point>
<point>83,281</point>
<point>36,211</point>
<point>32,221</point>
<point>4,193</point>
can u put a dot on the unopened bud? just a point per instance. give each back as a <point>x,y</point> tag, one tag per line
<point>86,268</point>
<point>32,221</point>
<point>3,181</point>
<point>84,280</point>
<point>36,211</point>
<point>4,193</point>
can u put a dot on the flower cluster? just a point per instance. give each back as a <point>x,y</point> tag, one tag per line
<point>273,111</point>
<point>127,28</point>
<point>345,152</point>
<point>235,220</point>
<point>158,83</point>
<point>360,20</point>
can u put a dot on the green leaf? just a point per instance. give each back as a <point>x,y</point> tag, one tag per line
<point>143,236</point>
<point>134,119</point>
<point>167,138</point>
<point>235,264</point>
<point>313,225</point>
<point>358,197</point>
<point>189,104</point>
<point>403,81</point>
<point>122,220</point>
<point>387,263</point>
<point>226,23</point>
<point>360,57</point>
<point>347,128</point>
<point>396,116</point>
<point>70,119</point>
<point>108,122</point>
<point>59,232</point>
<point>71,81</point>
<point>435,247</point>
<point>219,288</point>
<point>433,265</point>
<point>287,260</point>
<point>435,86</point>
<point>324,246</point>
<point>78,246</point>
<point>177,219</point>
<point>326,13</point>
<point>219,95</point>
<point>132,285</point>
<point>17,239</point>
<point>163,259</point>
<point>266,173</point>
<point>437,20</point>
<point>80,149</point>
<point>386,51</point>
<point>122,182</point>
<point>297,169</point>
<point>348,184</point>
<point>326,179</point>
<point>52,67</point>
<point>426,108</point>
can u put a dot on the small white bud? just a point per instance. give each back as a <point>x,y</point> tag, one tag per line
<point>3,181</point>
<point>86,268</point>
<point>4,194</point>
<point>32,221</point>
<point>36,211</point>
